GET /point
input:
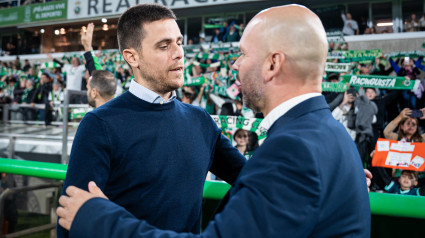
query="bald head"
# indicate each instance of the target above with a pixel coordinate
(297, 32)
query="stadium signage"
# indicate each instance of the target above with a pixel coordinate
(33, 13)
(95, 8)
(334, 87)
(336, 55)
(374, 81)
(338, 67)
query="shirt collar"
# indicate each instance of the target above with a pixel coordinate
(148, 95)
(282, 109)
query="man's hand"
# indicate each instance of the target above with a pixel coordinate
(87, 37)
(72, 203)
(368, 178)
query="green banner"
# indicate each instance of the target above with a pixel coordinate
(213, 56)
(78, 113)
(401, 54)
(233, 123)
(336, 55)
(216, 64)
(33, 13)
(222, 91)
(336, 36)
(385, 82)
(212, 26)
(194, 81)
(49, 65)
(361, 56)
(334, 87)
(338, 67)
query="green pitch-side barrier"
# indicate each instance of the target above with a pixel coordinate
(380, 203)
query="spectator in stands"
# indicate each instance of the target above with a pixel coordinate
(407, 128)
(19, 91)
(31, 74)
(333, 98)
(350, 26)
(10, 87)
(101, 88)
(406, 184)
(74, 76)
(26, 65)
(210, 69)
(241, 28)
(380, 67)
(232, 35)
(56, 97)
(364, 116)
(17, 63)
(241, 137)
(41, 96)
(189, 95)
(331, 46)
(28, 98)
(345, 111)
(217, 37)
(412, 24)
(410, 71)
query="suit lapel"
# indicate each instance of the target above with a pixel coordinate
(309, 105)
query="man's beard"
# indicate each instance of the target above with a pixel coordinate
(91, 102)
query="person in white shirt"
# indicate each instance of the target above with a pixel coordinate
(350, 26)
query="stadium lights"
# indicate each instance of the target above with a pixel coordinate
(56, 32)
(104, 20)
(41, 30)
(385, 24)
(105, 27)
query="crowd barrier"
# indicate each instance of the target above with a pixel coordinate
(381, 203)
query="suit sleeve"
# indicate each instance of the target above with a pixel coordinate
(99, 217)
(90, 157)
(277, 194)
(227, 160)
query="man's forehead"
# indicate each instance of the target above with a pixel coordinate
(161, 28)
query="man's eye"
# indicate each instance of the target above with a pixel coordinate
(164, 47)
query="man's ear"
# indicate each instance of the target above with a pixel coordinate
(273, 64)
(94, 93)
(415, 183)
(131, 56)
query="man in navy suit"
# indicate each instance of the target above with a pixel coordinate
(305, 180)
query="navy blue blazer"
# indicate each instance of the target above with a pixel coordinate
(306, 180)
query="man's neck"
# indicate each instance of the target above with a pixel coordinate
(165, 96)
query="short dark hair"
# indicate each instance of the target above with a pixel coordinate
(130, 25)
(47, 75)
(413, 173)
(105, 83)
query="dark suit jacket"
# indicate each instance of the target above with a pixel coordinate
(306, 180)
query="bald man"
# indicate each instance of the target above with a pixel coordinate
(305, 180)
